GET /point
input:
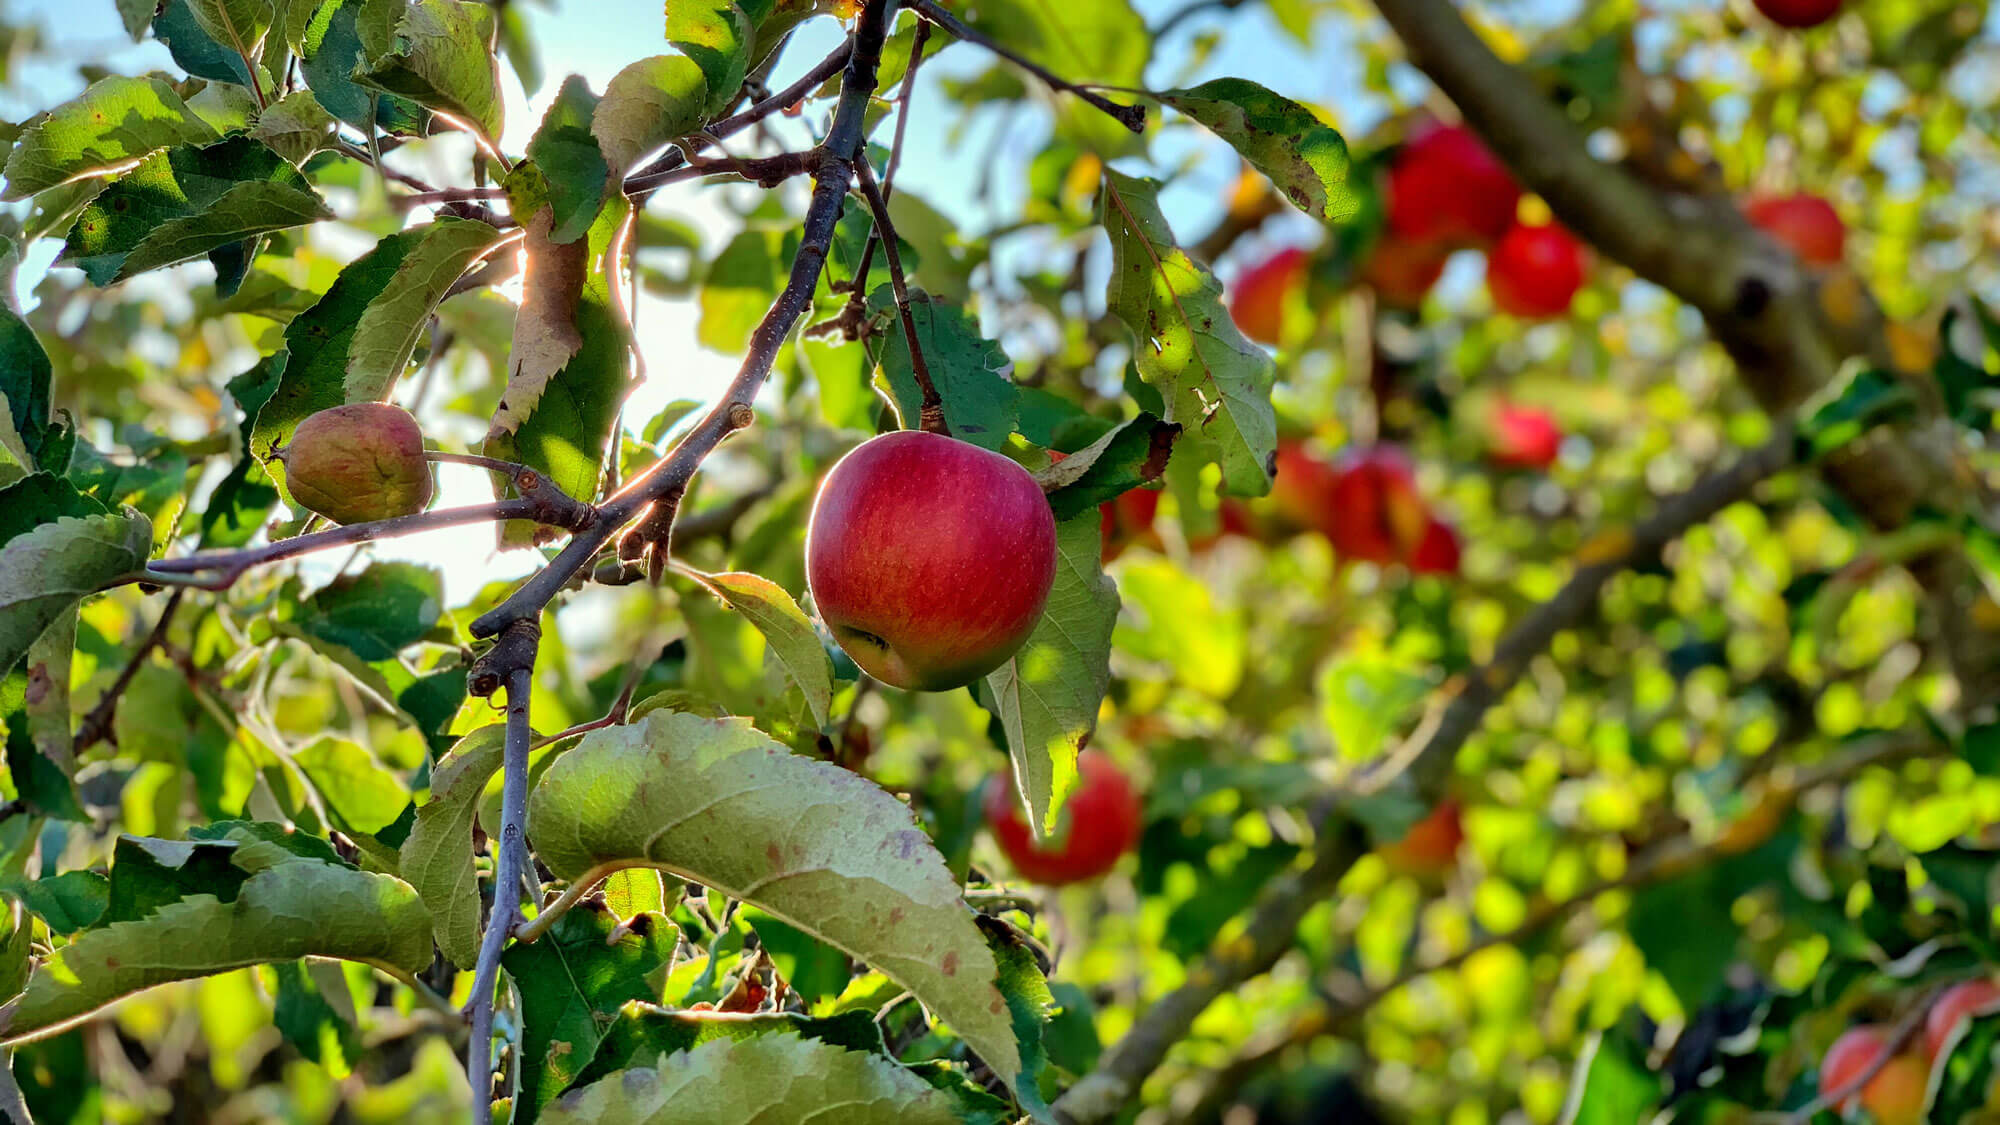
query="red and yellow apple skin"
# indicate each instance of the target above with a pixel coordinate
(1302, 487)
(1431, 845)
(1402, 272)
(1439, 551)
(1099, 823)
(359, 463)
(1798, 14)
(1375, 512)
(1534, 272)
(1524, 438)
(1445, 186)
(1959, 1002)
(1895, 1095)
(929, 559)
(1257, 301)
(1804, 223)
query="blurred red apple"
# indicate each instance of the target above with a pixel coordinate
(1257, 302)
(1798, 13)
(1535, 271)
(1524, 437)
(1444, 186)
(1431, 845)
(1959, 1002)
(1375, 513)
(1805, 223)
(1401, 271)
(1302, 488)
(1895, 1095)
(930, 559)
(1099, 823)
(1128, 521)
(1439, 551)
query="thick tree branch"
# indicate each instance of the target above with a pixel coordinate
(1274, 921)
(670, 476)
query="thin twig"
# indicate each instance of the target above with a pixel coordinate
(506, 910)
(365, 155)
(1194, 9)
(446, 195)
(930, 414)
(764, 171)
(857, 300)
(1133, 117)
(97, 725)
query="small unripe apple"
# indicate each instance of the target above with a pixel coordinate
(1895, 1095)
(1534, 271)
(1257, 301)
(930, 559)
(1099, 822)
(1798, 13)
(1402, 271)
(1445, 186)
(1959, 1002)
(1524, 437)
(1431, 845)
(358, 463)
(1805, 223)
(1376, 513)
(1439, 552)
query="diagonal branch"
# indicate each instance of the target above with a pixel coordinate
(1133, 117)
(508, 852)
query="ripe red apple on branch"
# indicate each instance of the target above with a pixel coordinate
(359, 463)
(1523, 437)
(930, 559)
(1534, 271)
(1100, 822)
(1798, 13)
(1445, 186)
(1258, 300)
(1375, 513)
(1804, 222)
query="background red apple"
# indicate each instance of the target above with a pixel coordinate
(1401, 271)
(1438, 553)
(1959, 1002)
(1257, 300)
(1535, 271)
(1524, 437)
(1445, 186)
(1100, 822)
(1128, 521)
(1895, 1096)
(1375, 513)
(930, 559)
(1798, 13)
(1431, 845)
(1302, 488)
(1804, 222)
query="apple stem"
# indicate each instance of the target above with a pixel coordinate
(930, 414)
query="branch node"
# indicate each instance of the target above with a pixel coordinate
(741, 415)
(514, 651)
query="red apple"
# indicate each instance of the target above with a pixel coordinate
(930, 559)
(1798, 13)
(1375, 512)
(1805, 223)
(1438, 552)
(1895, 1095)
(358, 463)
(1257, 302)
(1535, 271)
(1099, 823)
(1302, 488)
(1431, 845)
(1401, 271)
(1128, 521)
(1524, 437)
(1444, 186)
(1959, 1002)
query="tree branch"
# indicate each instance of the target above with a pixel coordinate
(930, 413)
(507, 853)
(1428, 755)
(669, 477)
(1133, 117)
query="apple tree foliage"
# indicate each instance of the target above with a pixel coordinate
(295, 831)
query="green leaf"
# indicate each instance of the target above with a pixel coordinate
(788, 631)
(741, 283)
(572, 983)
(1028, 1004)
(295, 126)
(1613, 1085)
(24, 383)
(361, 794)
(1105, 39)
(67, 902)
(716, 35)
(721, 804)
(314, 1011)
(238, 25)
(194, 49)
(49, 569)
(572, 166)
(437, 857)
(288, 909)
(387, 333)
(647, 104)
(560, 425)
(330, 49)
(644, 1034)
(766, 1078)
(981, 403)
(1866, 399)
(136, 14)
(148, 873)
(1306, 159)
(1217, 384)
(1133, 454)
(1365, 698)
(1047, 696)
(183, 203)
(115, 121)
(811, 967)
(441, 57)
(377, 612)
(16, 937)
